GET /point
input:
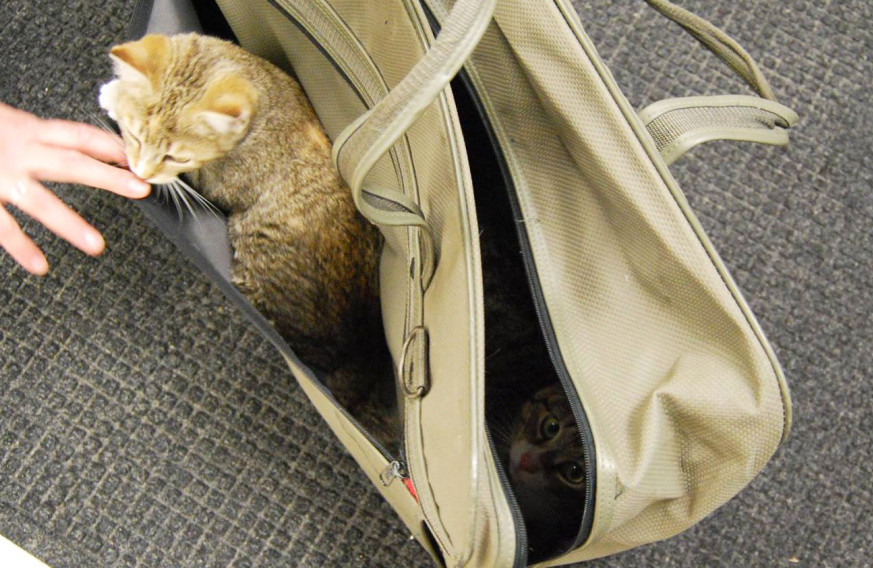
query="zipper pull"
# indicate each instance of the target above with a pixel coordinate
(390, 473)
(394, 471)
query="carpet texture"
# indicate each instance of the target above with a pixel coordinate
(143, 423)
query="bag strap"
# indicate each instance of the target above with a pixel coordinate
(719, 43)
(364, 141)
(679, 124)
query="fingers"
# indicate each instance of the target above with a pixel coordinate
(84, 138)
(44, 206)
(19, 246)
(62, 165)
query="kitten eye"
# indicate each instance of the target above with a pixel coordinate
(573, 472)
(549, 427)
(176, 159)
(134, 140)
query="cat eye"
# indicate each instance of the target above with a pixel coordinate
(573, 472)
(176, 159)
(549, 427)
(134, 140)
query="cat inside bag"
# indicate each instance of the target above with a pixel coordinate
(534, 431)
(245, 136)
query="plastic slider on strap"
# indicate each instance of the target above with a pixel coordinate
(414, 367)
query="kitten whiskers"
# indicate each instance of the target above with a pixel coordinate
(183, 195)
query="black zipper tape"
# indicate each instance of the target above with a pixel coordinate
(463, 81)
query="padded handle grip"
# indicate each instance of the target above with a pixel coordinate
(679, 124)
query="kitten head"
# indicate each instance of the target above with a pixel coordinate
(547, 467)
(179, 104)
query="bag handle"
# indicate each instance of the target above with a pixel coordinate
(679, 124)
(365, 140)
(719, 43)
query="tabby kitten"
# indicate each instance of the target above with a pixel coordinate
(248, 139)
(546, 470)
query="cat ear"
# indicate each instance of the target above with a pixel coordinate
(141, 60)
(228, 104)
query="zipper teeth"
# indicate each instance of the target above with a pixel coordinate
(521, 547)
(273, 337)
(325, 391)
(572, 398)
(548, 336)
(356, 84)
(521, 542)
(258, 321)
(556, 358)
(545, 324)
(362, 94)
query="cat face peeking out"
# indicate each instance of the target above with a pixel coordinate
(546, 468)
(176, 112)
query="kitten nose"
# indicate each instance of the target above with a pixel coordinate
(528, 464)
(143, 169)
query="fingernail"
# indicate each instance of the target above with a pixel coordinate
(39, 265)
(139, 188)
(94, 242)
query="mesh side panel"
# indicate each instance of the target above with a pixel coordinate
(670, 125)
(383, 203)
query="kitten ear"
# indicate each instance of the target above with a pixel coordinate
(141, 60)
(228, 104)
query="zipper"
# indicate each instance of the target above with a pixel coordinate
(359, 90)
(520, 556)
(369, 94)
(365, 96)
(542, 315)
(569, 391)
(396, 470)
(545, 323)
(273, 337)
(521, 548)
(176, 234)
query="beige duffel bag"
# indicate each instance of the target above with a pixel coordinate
(679, 398)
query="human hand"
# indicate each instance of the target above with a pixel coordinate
(33, 149)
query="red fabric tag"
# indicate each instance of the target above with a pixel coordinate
(410, 487)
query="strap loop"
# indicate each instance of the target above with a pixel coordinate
(413, 365)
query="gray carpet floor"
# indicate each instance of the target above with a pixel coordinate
(144, 423)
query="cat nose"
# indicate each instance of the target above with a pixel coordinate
(144, 169)
(528, 464)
